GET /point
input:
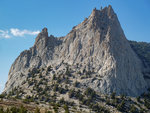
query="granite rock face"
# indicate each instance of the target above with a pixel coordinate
(98, 45)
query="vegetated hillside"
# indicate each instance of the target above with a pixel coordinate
(97, 45)
(63, 93)
(142, 49)
(92, 69)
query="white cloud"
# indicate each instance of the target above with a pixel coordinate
(17, 32)
(4, 34)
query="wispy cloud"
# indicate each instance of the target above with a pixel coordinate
(15, 32)
(4, 34)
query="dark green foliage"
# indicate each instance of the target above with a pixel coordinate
(30, 82)
(90, 93)
(79, 72)
(37, 110)
(87, 101)
(59, 80)
(48, 112)
(115, 101)
(113, 95)
(15, 92)
(39, 89)
(84, 70)
(49, 68)
(68, 73)
(98, 109)
(34, 71)
(108, 101)
(40, 82)
(23, 82)
(7, 110)
(2, 95)
(59, 89)
(142, 49)
(67, 81)
(121, 106)
(76, 94)
(22, 110)
(55, 107)
(54, 77)
(40, 75)
(21, 75)
(66, 108)
(122, 96)
(138, 99)
(62, 101)
(28, 99)
(88, 73)
(133, 109)
(14, 110)
(55, 87)
(147, 103)
(71, 93)
(76, 84)
(1, 110)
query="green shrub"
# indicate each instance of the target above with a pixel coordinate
(120, 106)
(76, 84)
(54, 77)
(28, 99)
(37, 110)
(49, 68)
(113, 95)
(147, 103)
(48, 112)
(71, 93)
(2, 95)
(68, 73)
(122, 96)
(55, 87)
(14, 110)
(133, 109)
(66, 108)
(1, 110)
(55, 107)
(22, 110)
(138, 99)
(90, 93)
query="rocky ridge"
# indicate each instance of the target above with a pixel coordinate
(97, 47)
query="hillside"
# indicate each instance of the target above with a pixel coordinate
(94, 68)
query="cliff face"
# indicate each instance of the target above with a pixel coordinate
(97, 45)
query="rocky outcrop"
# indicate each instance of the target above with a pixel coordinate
(97, 45)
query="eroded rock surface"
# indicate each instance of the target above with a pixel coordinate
(97, 45)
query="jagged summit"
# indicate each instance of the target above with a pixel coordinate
(97, 45)
(107, 11)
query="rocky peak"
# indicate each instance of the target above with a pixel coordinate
(101, 19)
(110, 11)
(106, 11)
(44, 30)
(98, 45)
(43, 35)
(42, 38)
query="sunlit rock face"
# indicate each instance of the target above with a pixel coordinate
(98, 45)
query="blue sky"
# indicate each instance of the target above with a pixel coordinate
(21, 20)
